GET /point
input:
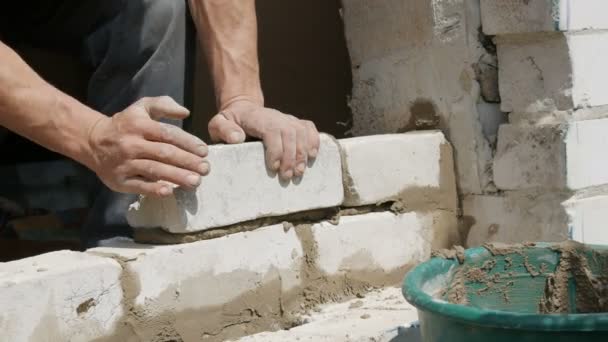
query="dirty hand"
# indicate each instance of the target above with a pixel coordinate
(131, 152)
(289, 141)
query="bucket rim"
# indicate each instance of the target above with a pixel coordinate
(415, 295)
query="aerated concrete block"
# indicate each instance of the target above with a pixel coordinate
(562, 157)
(381, 242)
(501, 17)
(240, 188)
(61, 296)
(193, 290)
(416, 168)
(559, 71)
(515, 217)
(588, 216)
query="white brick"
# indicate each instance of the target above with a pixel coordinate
(553, 72)
(518, 16)
(515, 218)
(60, 296)
(240, 188)
(552, 156)
(530, 156)
(381, 241)
(587, 143)
(188, 281)
(588, 217)
(415, 167)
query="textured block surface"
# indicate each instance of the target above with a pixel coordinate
(560, 71)
(240, 188)
(519, 16)
(381, 242)
(60, 296)
(173, 287)
(413, 167)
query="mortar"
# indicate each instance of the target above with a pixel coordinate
(533, 292)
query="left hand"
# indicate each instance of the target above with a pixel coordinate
(289, 141)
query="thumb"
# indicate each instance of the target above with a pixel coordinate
(222, 129)
(163, 107)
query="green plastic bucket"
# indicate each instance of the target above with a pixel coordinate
(504, 314)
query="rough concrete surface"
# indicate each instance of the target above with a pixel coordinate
(61, 296)
(381, 242)
(528, 16)
(254, 191)
(552, 71)
(514, 217)
(415, 168)
(381, 316)
(420, 73)
(530, 157)
(229, 281)
(265, 279)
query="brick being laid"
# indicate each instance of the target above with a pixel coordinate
(240, 188)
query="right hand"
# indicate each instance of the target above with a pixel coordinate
(133, 153)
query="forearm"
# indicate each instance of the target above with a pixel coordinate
(33, 108)
(227, 29)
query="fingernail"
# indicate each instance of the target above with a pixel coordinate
(194, 180)
(314, 152)
(276, 165)
(288, 174)
(203, 168)
(165, 191)
(235, 137)
(301, 167)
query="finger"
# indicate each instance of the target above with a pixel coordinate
(288, 160)
(274, 149)
(157, 171)
(162, 132)
(224, 130)
(138, 185)
(163, 107)
(314, 140)
(171, 155)
(301, 149)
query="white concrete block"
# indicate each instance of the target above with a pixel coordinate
(587, 218)
(565, 156)
(560, 71)
(415, 167)
(587, 143)
(240, 188)
(381, 241)
(529, 157)
(219, 279)
(515, 217)
(517, 16)
(60, 296)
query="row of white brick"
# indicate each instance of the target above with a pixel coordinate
(132, 292)
(413, 167)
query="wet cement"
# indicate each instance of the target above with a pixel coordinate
(573, 269)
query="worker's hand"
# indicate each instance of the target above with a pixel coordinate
(132, 152)
(289, 141)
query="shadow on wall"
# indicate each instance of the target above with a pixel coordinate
(304, 61)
